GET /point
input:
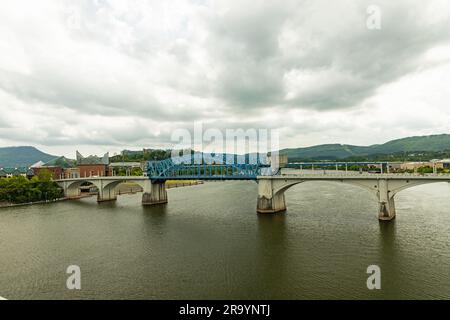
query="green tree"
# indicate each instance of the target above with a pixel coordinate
(136, 172)
(425, 169)
(22, 190)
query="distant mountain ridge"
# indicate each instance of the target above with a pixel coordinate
(26, 156)
(340, 151)
(22, 156)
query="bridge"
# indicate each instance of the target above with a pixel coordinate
(384, 187)
(153, 193)
(190, 168)
(272, 183)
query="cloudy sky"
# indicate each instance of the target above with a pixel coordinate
(105, 75)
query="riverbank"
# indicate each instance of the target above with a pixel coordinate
(131, 188)
(12, 205)
(182, 183)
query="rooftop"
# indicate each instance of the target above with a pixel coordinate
(62, 162)
(92, 160)
(14, 171)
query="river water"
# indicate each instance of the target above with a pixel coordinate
(209, 243)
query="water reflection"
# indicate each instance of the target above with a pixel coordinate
(154, 218)
(273, 253)
(390, 261)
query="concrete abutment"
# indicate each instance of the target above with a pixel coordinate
(72, 193)
(386, 201)
(269, 201)
(154, 193)
(106, 194)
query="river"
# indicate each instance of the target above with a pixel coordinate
(209, 243)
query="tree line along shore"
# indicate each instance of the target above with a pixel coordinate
(19, 190)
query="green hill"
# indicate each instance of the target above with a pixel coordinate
(434, 143)
(26, 156)
(325, 151)
(423, 143)
(22, 156)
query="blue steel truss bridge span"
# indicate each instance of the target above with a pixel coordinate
(189, 168)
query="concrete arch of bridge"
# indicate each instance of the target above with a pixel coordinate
(106, 187)
(271, 196)
(271, 192)
(114, 184)
(77, 184)
(72, 188)
(283, 187)
(154, 192)
(396, 187)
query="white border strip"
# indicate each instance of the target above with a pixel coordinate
(1, 298)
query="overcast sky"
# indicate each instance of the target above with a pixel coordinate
(102, 76)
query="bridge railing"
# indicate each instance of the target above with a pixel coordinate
(359, 174)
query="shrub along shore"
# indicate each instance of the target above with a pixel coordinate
(20, 190)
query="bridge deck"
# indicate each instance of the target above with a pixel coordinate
(106, 178)
(353, 176)
(305, 176)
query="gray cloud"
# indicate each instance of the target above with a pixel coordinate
(3, 124)
(104, 73)
(331, 58)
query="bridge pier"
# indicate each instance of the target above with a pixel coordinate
(72, 193)
(107, 193)
(268, 201)
(154, 193)
(386, 201)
